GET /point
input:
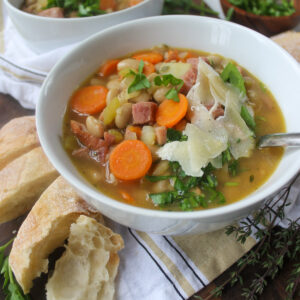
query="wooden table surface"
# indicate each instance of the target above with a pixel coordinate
(9, 108)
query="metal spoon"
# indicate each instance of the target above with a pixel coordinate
(279, 139)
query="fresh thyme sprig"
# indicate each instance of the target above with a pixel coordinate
(273, 249)
(10, 287)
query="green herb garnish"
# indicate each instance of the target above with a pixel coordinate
(232, 75)
(175, 135)
(167, 79)
(11, 288)
(183, 193)
(157, 178)
(140, 81)
(247, 117)
(273, 8)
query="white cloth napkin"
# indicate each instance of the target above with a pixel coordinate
(152, 267)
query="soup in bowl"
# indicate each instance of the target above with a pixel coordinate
(162, 138)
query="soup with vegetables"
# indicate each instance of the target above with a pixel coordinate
(75, 8)
(172, 129)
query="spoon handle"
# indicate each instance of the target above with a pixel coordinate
(279, 139)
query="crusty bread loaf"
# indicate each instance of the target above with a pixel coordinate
(290, 41)
(45, 229)
(17, 137)
(21, 183)
(89, 265)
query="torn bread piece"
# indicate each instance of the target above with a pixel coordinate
(17, 137)
(290, 41)
(89, 265)
(22, 182)
(45, 229)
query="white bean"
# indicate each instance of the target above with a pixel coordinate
(148, 135)
(161, 168)
(128, 63)
(161, 186)
(94, 126)
(123, 116)
(113, 84)
(112, 93)
(143, 97)
(159, 94)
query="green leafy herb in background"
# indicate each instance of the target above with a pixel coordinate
(10, 287)
(83, 8)
(273, 8)
(187, 7)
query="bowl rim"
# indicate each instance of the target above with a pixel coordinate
(85, 187)
(77, 20)
(254, 16)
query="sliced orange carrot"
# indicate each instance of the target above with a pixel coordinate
(107, 4)
(169, 112)
(151, 57)
(148, 68)
(172, 55)
(127, 197)
(134, 2)
(89, 99)
(181, 125)
(130, 160)
(108, 67)
(135, 129)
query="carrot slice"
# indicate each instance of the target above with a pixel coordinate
(134, 2)
(130, 160)
(107, 4)
(148, 68)
(89, 99)
(150, 57)
(108, 67)
(169, 112)
(127, 197)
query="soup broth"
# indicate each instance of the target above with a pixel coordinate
(230, 181)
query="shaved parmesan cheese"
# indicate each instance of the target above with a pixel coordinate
(195, 153)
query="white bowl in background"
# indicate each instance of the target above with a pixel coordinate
(43, 34)
(258, 54)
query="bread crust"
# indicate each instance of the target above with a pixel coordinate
(22, 181)
(46, 228)
(88, 267)
(17, 137)
(290, 41)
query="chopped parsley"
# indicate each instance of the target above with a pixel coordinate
(184, 194)
(247, 117)
(175, 135)
(232, 75)
(167, 79)
(140, 81)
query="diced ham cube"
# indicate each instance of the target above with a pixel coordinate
(130, 135)
(144, 113)
(109, 138)
(53, 12)
(191, 75)
(161, 135)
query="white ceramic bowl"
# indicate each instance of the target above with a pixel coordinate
(263, 58)
(43, 34)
